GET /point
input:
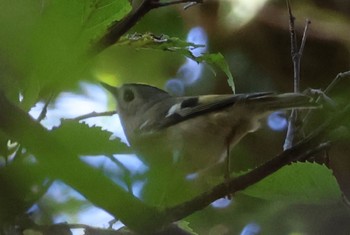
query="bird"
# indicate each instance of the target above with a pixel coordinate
(193, 133)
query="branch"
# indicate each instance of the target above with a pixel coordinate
(304, 149)
(293, 132)
(303, 40)
(323, 95)
(336, 80)
(91, 115)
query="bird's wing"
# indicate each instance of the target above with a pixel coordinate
(189, 107)
(184, 108)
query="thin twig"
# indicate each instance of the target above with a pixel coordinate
(191, 4)
(303, 40)
(293, 37)
(293, 132)
(336, 80)
(92, 115)
(318, 149)
(125, 172)
(41, 116)
(164, 4)
(339, 77)
(43, 112)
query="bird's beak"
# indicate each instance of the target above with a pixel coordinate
(111, 89)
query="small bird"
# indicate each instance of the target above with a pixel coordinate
(193, 132)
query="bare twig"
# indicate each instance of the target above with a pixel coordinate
(323, 95)
(303, 40)
(293, 37)
(293, 132)
(191, 4)
(336, 80)
(92, 115)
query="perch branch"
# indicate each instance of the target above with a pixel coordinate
(304, 149)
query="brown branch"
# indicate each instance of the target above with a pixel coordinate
(293, 37)
(293, 132)
(304, 149)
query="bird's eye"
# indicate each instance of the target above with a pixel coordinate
(128, 95)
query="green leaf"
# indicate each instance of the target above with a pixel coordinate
(46, 51)
(99, 14)
(85, 140)
(173, 44)
(185, 225)
(219, 61)
(298, 182)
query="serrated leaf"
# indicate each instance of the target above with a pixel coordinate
(298, 182)
(151, 41)
(85, 140)
(52, 55)
(219, 61)
(173, 44)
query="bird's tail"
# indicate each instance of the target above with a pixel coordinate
(272, 102)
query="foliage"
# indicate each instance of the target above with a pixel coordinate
(285, 186)
(166, 43)
(93, 140)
